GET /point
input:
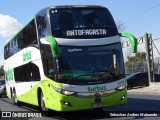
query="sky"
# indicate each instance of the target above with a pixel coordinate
(138, 16)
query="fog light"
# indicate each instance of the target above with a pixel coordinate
(123, 97)
(66, 103)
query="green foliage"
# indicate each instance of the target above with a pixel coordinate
(139, 56)
(136, 63)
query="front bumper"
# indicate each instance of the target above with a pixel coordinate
(72, 103)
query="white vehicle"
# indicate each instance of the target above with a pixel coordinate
(51, 62)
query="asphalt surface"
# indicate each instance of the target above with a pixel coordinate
(136, 104)
(152, 89)
(139, 99)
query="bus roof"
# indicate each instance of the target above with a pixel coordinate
(77, 6)
(71, 7)
(51, 7)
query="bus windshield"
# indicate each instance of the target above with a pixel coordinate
(82, 22)
(87, 64)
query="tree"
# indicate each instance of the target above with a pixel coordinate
(139, 56)
(136, 63)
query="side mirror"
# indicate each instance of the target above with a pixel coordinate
(132, 39)
(53, 44)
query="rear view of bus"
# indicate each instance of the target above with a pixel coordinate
(81, 62)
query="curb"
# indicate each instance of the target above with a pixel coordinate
(153, 89)
(143, 93)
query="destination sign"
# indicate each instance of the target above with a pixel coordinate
(86, 32)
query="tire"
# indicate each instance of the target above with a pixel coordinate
(14, 98)
(129, 87)
(0, 95)
(42, 103)
(98, 109)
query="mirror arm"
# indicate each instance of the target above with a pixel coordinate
(53, 44)
(132, 39)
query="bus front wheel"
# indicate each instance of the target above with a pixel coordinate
(14, 98)
(42, 103)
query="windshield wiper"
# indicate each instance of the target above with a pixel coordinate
(94, 74)
(78, 77)
(112, 74)
(81, 76)
(107, 71)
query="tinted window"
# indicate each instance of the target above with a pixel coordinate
(42, 25)
(26, 37)
(82, 22)
(63, 18)
(20, 41)
(15, 46)
(27, 72)
(48, 60)
(79, 63)
(32, 36)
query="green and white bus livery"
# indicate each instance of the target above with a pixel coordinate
(67, 58)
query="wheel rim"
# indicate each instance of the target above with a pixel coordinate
(14, 98)
(42, 103)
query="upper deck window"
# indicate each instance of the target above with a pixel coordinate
(82, 22)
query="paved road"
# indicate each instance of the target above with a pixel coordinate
(135, 103)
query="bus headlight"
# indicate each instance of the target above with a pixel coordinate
(121, 87)
(65, 92)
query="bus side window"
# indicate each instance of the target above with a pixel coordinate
(34, 72)
(42, 25)
(20, 41)
(26, 73)
(32, 35)
(49, 66)
(5, 52)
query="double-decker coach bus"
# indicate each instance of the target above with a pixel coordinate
(67, 58)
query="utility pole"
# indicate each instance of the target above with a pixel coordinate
(147, 39)
(149, 54)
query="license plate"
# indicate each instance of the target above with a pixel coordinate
(97, 105)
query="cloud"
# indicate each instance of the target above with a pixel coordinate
(8, 25)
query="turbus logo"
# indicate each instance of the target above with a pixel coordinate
(9, 74)
(26, 56)
(96, 88)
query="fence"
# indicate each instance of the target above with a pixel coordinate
(134, 67)
(141, 66)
